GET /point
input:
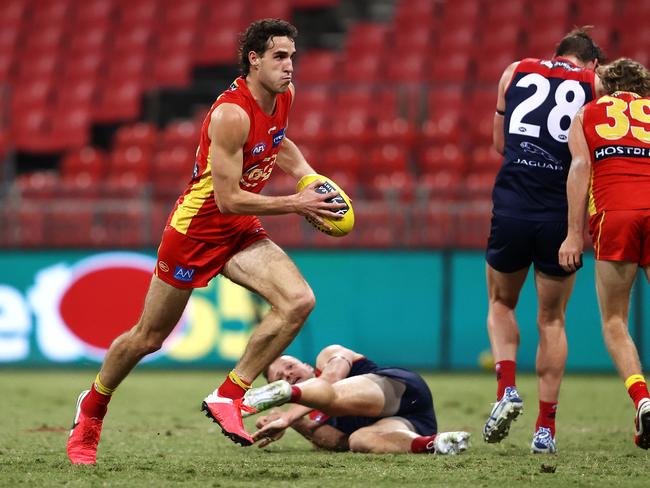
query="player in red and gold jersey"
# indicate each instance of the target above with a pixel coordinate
(214, 229)
(610, 175)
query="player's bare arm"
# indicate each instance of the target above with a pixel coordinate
(578, 179)
(228, 130)
(291, 160)
(497, 126)
(335, 362)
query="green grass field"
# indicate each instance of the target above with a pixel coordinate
(155, 435)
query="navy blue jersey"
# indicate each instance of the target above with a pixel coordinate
(416, 404)
(541, 100)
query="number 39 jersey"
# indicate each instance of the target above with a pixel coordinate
(617, 130)
(541, 100)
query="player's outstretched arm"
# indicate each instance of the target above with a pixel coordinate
(577, 186)
(228, 130)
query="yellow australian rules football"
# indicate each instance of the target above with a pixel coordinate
(339, 227)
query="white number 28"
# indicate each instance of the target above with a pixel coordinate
(563, 107)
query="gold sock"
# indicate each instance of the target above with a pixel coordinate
(234, 377)
(104, 390)
(634, 378)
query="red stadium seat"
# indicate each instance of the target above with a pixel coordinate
(485, 159)
(217, 46)
(443, 184)
(78, 94)
(277, 9)
(455, 69)
(350, 126)
(131, 39)
(363, 67)
(86, 160)
(93, 11)
(347, 158)
(407, 67)
(479, 185)
(135, 160)
(40, 66)
(440, 129)
(394, 129)
(308, 128)
(172, 71)
(542, 41)
(183, 133)
(141, 134)
(30, 94)
(71, 128)
(398, 186)
(119, 101)
(84, 66)
(365, 37)
(434, 158)
(388, 158)
(316, 66)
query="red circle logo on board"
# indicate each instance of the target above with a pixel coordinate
(105, 296)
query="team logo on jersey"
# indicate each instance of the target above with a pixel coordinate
(531, 148)
(183, 274)
(258, 149)
(277, 137)
(233, 86)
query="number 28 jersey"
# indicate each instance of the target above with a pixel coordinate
(541, 100)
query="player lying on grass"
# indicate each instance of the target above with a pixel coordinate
(349, 403)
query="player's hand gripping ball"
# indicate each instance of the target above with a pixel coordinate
(341, 227)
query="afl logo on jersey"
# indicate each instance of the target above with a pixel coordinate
(258, 149)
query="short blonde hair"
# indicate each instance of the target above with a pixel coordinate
(625, 74)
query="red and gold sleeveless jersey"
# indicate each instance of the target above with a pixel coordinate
(617, 129)
(196, 213)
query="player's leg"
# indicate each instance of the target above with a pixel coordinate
(553, 294)
(503, 294)
(163, 307)
(509, 255)
(397, 435)
(614, 282)
(357, 395)
(265, 269)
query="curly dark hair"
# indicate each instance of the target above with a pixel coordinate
(579, 43)
(256, 37)
(625, 75)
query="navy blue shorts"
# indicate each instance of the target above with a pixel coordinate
(416, 405)
(514, 244)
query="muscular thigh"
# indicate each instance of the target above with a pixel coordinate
(267, 270)
(387, 425)
(362, 395)
(163, 307)
(553, 294)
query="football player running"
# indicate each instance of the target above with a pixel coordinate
(213, 229)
